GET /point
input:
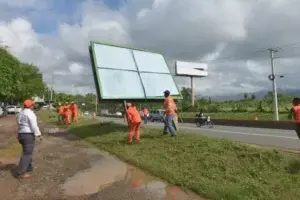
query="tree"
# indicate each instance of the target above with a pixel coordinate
(186, 94)
(245, 96)
(9, 78)
(30, 82)
(253, 97)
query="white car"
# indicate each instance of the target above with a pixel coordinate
(118, 113)
(18, 109)
(157, 115)
(11, 109)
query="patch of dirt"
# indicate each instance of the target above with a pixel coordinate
(61, 157)
(7, 131)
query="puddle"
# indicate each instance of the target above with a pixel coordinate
(109, 170)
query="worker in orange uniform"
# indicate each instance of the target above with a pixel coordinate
(134, 120)
(67, 113)
(60, 111)
(170, 113)
(74, 112)
(145, 115)
(295, 113)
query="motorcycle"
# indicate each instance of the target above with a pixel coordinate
(203, 121)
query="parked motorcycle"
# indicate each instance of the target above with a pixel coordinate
(203, 121)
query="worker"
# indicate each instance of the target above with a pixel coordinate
(74, 112)
(27, 131)
(60, 112)
(295, 113)
(134, 121)
(145, 115)
(67, 113)
(170, 111)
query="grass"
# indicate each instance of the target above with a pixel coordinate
(216, 169)
(11, 151)
(233, 115)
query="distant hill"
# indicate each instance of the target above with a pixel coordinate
(259, 94)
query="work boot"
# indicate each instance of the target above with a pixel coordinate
(26, 175)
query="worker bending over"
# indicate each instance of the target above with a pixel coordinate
(134, 120)
(170, 113)
(74, 112)
(295, 113)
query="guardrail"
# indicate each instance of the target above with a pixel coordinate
(285, 125)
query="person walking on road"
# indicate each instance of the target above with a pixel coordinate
(28, 130)
(295, 113)
(74, 111)
(134, 120)
(145, 115)
(170, 111)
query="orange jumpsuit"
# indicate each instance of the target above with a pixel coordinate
(67, 114)
(60, 111)
(74, 112)
(134, 120)
(296, 111)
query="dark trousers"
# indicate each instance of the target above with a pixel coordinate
(145, 119)
(297, 129)
(27, 141)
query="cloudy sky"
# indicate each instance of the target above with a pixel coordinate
(230, 35)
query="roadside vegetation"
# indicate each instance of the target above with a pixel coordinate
(213, 168)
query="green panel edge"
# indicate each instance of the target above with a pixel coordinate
(98, 80)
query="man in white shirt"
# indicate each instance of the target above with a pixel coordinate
(27, 131)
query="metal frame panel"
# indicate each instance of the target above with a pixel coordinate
(98, 79)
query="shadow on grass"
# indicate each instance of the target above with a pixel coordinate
(293, 167)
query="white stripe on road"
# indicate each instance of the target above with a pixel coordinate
(237, 132)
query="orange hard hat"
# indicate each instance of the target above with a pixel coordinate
(28, 103)
(128, 105)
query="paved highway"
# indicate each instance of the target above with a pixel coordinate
(269, 137)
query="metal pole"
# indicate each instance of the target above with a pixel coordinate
(96, 107)
(51, 94)
(193, 91)
(275, 101)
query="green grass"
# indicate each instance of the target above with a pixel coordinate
(216, 169)
(233, 115)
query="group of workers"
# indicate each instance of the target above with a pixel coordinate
(134, 118)
(67, 112)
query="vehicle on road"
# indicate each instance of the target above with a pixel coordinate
(157, 115)
(18, 109)
(11, 109)
(203, 121)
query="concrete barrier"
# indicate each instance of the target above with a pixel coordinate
(285, 125)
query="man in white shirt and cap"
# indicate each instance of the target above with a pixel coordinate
(27, 131)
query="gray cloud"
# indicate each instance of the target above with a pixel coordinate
(229, 31)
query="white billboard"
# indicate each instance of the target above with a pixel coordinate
(191, 69)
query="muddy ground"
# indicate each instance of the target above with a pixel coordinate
(68, 168)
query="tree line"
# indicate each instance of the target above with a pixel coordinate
(18, 80)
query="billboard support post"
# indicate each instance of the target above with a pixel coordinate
(193, 91)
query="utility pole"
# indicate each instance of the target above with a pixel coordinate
(272, 78)
(51, 98)
(193, 91)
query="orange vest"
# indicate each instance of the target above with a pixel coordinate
(74, 108)
(169, 106)
(67, 109)
(297, 113)
(133, 115)
(60, 110)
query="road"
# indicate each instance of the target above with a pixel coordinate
(268, 137)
